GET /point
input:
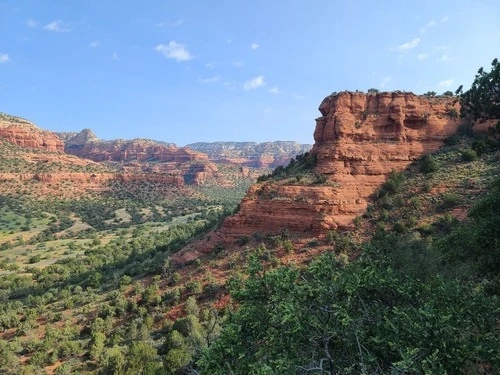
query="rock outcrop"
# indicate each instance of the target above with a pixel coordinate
(142, 157)
(251, 154)
(23, 133)
(359, 139)
(86, 145)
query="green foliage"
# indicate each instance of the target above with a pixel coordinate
(473, 247)
(428, 164)
(392, 185)
(482, 100)
(302, 164)
(469, 155)
(351, 320)
(452, 113)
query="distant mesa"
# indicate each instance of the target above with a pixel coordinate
(85, 144)
(251, 154)
(24, 133)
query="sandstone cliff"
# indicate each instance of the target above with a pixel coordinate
(23, 133)
(359, 139)
(251, 154)
(86, 145)
(142, 157)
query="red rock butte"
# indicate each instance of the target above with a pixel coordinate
(23, 133)
(359, 139)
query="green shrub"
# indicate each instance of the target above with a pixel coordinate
(428, 164)
(469, 155)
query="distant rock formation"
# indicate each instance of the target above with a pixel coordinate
(359, 139)
(86, 145)
(24, 133)
(251, 154)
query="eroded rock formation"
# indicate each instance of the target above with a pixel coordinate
(23, 133)
(251, 154)
(359, 139)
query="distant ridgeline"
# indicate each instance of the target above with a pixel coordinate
(251, 154)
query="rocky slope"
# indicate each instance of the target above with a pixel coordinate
(23, 133)
(359, 139)
(251, 154)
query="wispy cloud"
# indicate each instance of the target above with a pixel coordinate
(432, 23)
(57, 26)
(4, 58)
(254, 46)
(408, 45)
(446, 83)
(273, 90)
(213, 79)
(297, 96)
(268, 110)
(174, 50)
(422, 56)
(210, 65)
(384, 81)
(255, 83)
(94, 44)
(32, 23)
(238, 64)
(231, 85)
(444, 57)
(175, 23)
(429, 24)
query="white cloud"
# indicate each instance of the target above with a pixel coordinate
(297, 96)
(174, 50)
(31, 23)
(210, 65)
(445, 57)
(4, 58)
(422, 56)
(384, 81)
(213, 79)
(57, 26)
(444, 19)
(255, 83)
(175, 23)
(238, 64)
(94, 44)
(429, 24)
(268, 110)
(446, 83)
(407, 46)
(115, 56)
(254, 45)
(273, 90)
(230, 85)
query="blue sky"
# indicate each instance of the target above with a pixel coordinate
(186, 71)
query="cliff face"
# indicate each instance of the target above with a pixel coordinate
(359, 139)
(86, 145)
(23, 133)
(251, 154)
(142, 157)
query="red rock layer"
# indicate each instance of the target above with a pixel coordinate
(23, 133)
(137, 150)
(359, 139)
